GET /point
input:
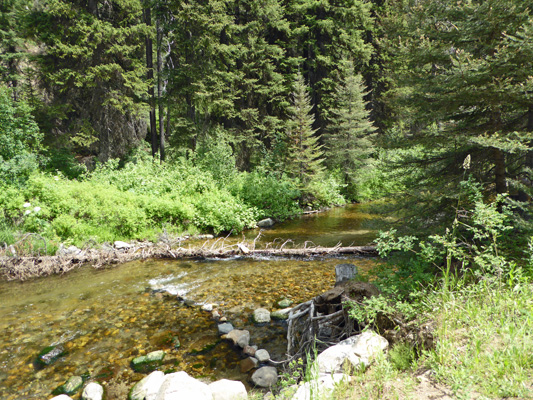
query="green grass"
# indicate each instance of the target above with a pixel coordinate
(485, 338)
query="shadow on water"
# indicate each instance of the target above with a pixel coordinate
(105, 318)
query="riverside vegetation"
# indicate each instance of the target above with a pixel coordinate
(132, 120)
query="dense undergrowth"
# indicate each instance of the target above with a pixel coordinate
(140, 199)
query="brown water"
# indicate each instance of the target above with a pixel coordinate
(105, 318)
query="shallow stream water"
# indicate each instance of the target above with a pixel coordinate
(104, 318)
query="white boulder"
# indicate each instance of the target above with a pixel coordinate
(147, 388)
(356, 350)
(225, 389)
(181, 386)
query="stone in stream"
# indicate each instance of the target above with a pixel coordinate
(344, 272)
(265, 223)
(93, 391)
(147, 387)
(261, 316)
(148, 362)
(280, 315)
(239, 337)
(284, 303)
(61, 397)
(225, 389)
(225, 328)
(49, 355)
(250, 350)
(265, 377)
(71, 386)
(262, 355)
(248, 364)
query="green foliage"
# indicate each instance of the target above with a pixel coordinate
(349, 131)
(274, 196)
(402, 356)
(20, 138)
(324, 190)
(304, 155)
(214, 155)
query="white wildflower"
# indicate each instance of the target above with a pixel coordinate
(26, 205)
(27, 212)
(37, 209)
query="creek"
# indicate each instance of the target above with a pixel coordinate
(104, 318)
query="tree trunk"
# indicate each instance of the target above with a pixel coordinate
(160, 93)
(499, 170)
(150, 76)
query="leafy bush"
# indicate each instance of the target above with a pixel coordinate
(272, 195)
(19, 138)
(324, 190)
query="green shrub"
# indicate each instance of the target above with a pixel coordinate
(272, 195)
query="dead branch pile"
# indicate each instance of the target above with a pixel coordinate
(22, 268)
(324, 321)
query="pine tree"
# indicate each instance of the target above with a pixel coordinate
(467, 92)
(92, 74)
(304, 155)
(349, 130)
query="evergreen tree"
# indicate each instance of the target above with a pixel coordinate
(468, 93)
(349, 130)
(304, 155)
(12, 46)
(92, 74)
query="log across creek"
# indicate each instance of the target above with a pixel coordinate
(21, 268)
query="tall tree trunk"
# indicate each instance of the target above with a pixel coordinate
(499, 170)
(160, 92)
(150, 76)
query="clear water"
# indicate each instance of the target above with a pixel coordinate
(105, 318)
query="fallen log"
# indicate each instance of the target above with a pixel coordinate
(22, 268)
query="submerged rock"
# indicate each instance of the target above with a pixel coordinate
(225, 389)
(284, 303)
(248, 364)
(71, 386)
(265, 377)
(93, 391)
(147, 388)
(148, 362)
(279, 315)
(261, 316)
(49, 355)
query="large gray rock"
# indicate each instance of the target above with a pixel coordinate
(228, 390)
(318, 388)
(356, 350)
(239, 337)
(93, 391)
(147, 387)
(181, 386)
(67, 251)
(248, 364)
(261, 316)
(262, 355)
(265, 377)
(265, 223)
